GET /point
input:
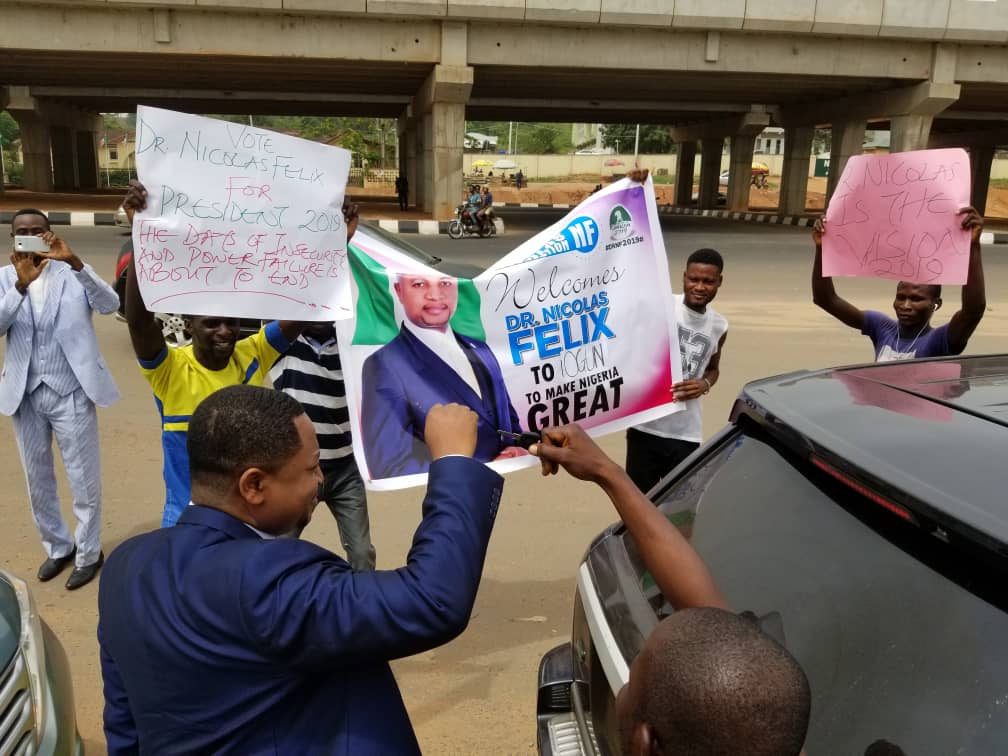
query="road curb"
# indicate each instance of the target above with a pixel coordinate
(769, 218)
(435, 228)
(533, 205)
(423, 227)
(68, 218)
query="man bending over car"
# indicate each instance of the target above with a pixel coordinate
(707, 679)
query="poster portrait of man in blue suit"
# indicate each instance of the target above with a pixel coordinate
(429, 363)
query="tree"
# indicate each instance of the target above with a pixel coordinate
(542, 138)
(9, 130)
(654, 139)
(822, 140)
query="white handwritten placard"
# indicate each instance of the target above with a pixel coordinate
(897, 216)
(240, 221)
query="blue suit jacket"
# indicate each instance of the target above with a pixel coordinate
(214, 640)
(403, 380)
(70, 301)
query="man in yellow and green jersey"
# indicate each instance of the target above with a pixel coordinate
(182, 378)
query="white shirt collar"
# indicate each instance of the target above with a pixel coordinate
(38, 291)
(446, 346)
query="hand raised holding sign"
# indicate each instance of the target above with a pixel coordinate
(973, 223)
(911, 334)
(351, 216)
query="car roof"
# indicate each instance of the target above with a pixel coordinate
(451, 267)
(930, 433)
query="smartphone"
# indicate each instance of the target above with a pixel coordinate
(30, 244)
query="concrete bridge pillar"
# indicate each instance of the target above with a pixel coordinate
(685, 167)
(58, 142)
(909, 132)
(740, 171)
(3, 106)
(442, 135)
(64, 156)
(710, 169)
(794, 174)
(848, 140)
(981, 158)
(86, 145)
(422, 185)
(34, 128)
(439, 107)
(408, 154)
(38, 170)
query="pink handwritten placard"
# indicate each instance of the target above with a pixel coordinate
(897, 216)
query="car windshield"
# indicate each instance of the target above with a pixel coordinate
(876, 611)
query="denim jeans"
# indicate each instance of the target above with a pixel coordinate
(343, 493)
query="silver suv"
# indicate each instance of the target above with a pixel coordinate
(36, 694)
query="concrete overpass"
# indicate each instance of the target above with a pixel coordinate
(934, 73)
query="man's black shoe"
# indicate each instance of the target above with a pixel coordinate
(52, 567)
(84, 575)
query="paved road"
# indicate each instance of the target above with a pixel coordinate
(476, 695)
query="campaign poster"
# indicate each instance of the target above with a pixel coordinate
(240, 221)
(576, 325)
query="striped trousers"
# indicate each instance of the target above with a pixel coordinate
(74, 421)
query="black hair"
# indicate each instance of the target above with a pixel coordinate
(706, 256)
(715, 684)
(30, 211)
(240, 427)
(884, 748)
(933, 289)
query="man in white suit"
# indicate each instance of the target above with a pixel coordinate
(53, 376)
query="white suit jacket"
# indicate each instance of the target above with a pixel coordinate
(71, 299)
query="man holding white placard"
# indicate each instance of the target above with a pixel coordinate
(910, 335)
(182, 378)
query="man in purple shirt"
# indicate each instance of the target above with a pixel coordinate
(910, 335)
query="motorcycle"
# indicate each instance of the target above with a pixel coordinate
(465, 224)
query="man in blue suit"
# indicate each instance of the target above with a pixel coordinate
(222, 636)
(53, 376)
(426, 364)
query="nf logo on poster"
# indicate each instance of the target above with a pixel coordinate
(580, 235)
(620, 223)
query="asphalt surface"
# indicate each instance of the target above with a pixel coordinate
(477, 694)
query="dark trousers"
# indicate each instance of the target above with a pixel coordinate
(343, 492)
(650, 458)
(403, 201)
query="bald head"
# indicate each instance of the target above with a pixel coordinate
(708, 680)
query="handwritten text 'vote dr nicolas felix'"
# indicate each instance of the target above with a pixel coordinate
(895, 216)
(234, 236)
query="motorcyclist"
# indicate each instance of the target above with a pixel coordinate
(485, 214)
(474, 204)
